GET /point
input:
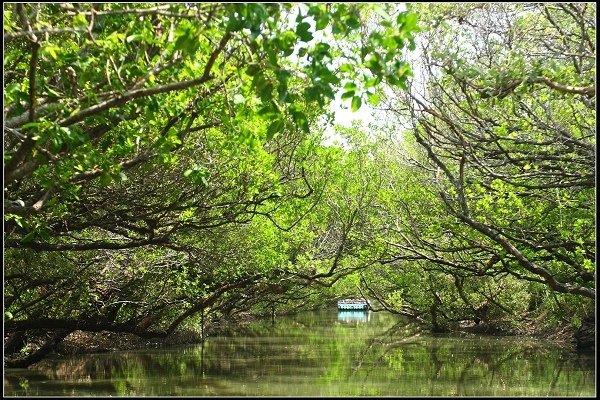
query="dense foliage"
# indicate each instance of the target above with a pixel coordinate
(503, 112)
(164, 165)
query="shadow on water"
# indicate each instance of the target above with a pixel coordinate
(349, 353)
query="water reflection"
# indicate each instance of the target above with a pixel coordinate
(321, 354)
(353, 316)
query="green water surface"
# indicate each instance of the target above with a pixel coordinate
(323, 353)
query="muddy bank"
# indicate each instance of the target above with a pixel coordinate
(80, 342)
(582, 338)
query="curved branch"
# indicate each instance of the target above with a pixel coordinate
(208, 301)
(526, 263)
(43, 246)
(146, 92)
(589, 91)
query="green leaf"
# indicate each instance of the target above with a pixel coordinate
(259, 81)
(19, 221)
(371, 82)
(350, 86)
(51, 50)
(302, 30)
(12, 88)
(346, 68)
(353, 23)
(29, 237)
(285, 42)
(53, 92)
(301, 120)
(356, 103)
(56, 144)
(373, 98)
(31, 125)
(187, 42)
(322, 49)
(44, 234)
(348, 95)
(312, 93)
(266, 92)
(275, 127)
(373, 63)
(302, 51)
(135, 37)
(252, 69)
(410, 23)
(267, 109)
(381, 12)
(80, 21)
(322, 22)
(105, 179)
(234, 24)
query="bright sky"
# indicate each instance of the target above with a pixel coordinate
(344, 116)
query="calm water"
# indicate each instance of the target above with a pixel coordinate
(320, 354)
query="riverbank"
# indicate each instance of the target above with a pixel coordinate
(80, 342)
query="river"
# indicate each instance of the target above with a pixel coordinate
(324, 353)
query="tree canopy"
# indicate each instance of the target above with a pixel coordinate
(164, 165)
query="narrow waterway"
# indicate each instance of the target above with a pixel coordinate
(325, 353)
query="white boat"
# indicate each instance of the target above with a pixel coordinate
(352, 304)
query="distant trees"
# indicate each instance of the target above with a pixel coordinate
(502, 109)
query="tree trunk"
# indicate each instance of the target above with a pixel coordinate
(40, 353)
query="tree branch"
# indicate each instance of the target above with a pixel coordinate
(146, 92)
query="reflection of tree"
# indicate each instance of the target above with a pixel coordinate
(124, 371)
(18, 385)
(566, 362)
(460, 386)
(466, 366)
(380, 341)
(555, 376)
(436, 361)
(375, 359)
